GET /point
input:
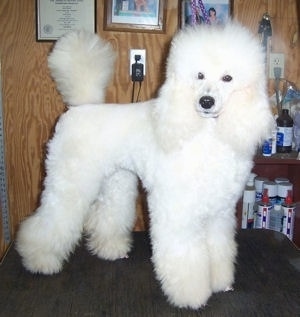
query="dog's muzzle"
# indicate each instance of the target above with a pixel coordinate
(206, 102)
(206, 107)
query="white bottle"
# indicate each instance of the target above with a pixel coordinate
(278, 180)
(248, 203)
(276, 218)
(259, 184)
(272, 191)
(282, 191)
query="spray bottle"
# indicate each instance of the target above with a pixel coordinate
(288, 216)
(248, 203)
(262, 218)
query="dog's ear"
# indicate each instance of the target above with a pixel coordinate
(247, 119)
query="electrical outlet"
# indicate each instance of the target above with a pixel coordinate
(142, 53)
(276, 60)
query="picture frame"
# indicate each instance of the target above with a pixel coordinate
(216, 12)
(135, 16)
(56, 17)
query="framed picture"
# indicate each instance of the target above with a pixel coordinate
(56, 17)
(135, 15)
(204, 11)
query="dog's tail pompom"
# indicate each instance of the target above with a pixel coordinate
(81, 63)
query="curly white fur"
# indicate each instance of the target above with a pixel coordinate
(192, 157)
(93, 57)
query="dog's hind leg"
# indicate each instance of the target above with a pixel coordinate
(46, 238)
(112, 216)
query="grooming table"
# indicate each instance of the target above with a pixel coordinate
(267, 284)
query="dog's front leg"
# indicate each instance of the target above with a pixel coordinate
(222, 250)
(181, 262)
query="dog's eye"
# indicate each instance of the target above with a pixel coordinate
(227, 78)
(200, 76)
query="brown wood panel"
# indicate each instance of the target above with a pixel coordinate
(250, 13)
(285, 39)
(32, 104)
(156, 46)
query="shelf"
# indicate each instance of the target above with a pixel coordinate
(278, 159)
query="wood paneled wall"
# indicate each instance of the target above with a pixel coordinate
(285, 27)
(32, 104)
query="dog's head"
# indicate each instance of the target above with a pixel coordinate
(215, 75)
(215, 62)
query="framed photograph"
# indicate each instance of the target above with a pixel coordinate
(195, 12)
(135, 15)
(57, 17)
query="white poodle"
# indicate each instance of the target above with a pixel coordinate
(192, 148)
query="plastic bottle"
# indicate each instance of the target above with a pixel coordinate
(278, 180)
(269, 145)
(288, 209)
(284, 132)
(248, 203)
(272, 191)
(262, 216)
(259, 184)
(282, 191)
(274, 139)
(276, 217)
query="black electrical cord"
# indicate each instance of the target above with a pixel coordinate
(138, 94)
(133, 92)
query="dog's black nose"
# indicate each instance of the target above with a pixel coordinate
(207, 102)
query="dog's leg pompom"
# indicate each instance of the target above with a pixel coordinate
(39, 244)
(112, 217)
(182, 266)
(46, 239)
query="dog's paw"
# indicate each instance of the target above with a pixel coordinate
(186, 294)
(222, 286)
(222, 277)
(229, 289)
(43, 263)
(110, 249)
